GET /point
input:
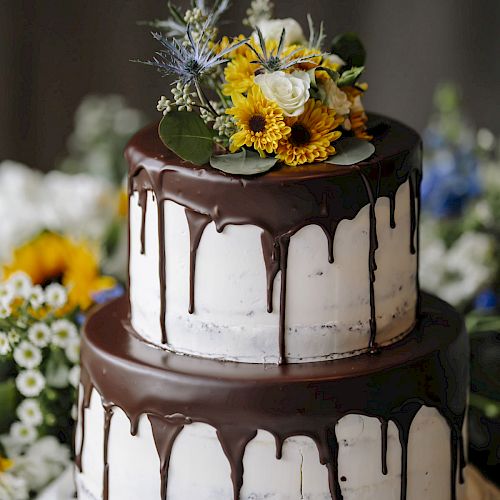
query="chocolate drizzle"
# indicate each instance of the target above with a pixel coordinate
(143, 203)
(197, 223)
(108, 414)
(280, 202)
(427, 368)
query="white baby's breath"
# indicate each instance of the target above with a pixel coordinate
(72, 350)
(29, 412)
(13, 487)
(26, 355)
(39, 334)
(62, 332)
(30, 383)
(36, 297)
(20, 284)
(56, 295)
(14, 337)
(6, 294)
(74, 376)
(22, 433)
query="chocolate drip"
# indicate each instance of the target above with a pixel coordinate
(165, 430)
(384, 424)
(162, 269)
(143, 203)
(427, 368)
(413, 215)
(108, 413)
(392, 210)
(283, 258)
(197, 223)
(86, 388)
(234, 440)
(281, 202)
(372, 263)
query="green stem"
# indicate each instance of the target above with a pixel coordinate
(203, 98)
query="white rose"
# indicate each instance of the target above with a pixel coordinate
(334, 98)
(272, 28)
(289, 91)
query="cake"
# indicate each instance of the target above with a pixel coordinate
(274, 342)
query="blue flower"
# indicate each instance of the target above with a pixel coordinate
(487, 300)
(109, 294)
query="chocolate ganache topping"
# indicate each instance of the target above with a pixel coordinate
(280, 202)
(429, 367)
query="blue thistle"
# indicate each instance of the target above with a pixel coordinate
(274, 61)
(190, 62)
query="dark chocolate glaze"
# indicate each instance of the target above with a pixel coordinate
(280, 202)
(428, 367)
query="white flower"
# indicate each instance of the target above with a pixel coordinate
(27, 355)
(5, 310)
(14, 337)
(289, 91)
(272, 28)
(74, 376)
(20, 284)
(22, 433)
(30, 383)
(29, 412)
(56, 295)
(36, 297)
(72, 350)
(62, 332)
(39, 334)
(13, 487)
(334, 98)
(4, 344)
(6, 294)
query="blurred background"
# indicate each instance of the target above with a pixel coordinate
(54, 53)
(70, 99)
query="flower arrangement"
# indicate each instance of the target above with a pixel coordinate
(39, 360)
(272, 96)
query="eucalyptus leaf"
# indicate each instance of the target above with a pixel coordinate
(187, 135)
(350, 76)
(242, 163)
(351, 150)
(349, 47)
(8, 402)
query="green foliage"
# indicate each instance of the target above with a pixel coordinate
(9, 399)
(351, 150)
(187, 135)
(350, 76)
(349, 47)
(242, 163)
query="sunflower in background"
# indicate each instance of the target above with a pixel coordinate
(50, 257)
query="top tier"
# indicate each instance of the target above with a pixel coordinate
(299, 264)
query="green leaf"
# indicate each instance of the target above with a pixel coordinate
(350, 76)
(351, 150)
(56, 370)
(187, 135)
(349, 47)
(334, 75)
(8, 403)
(242, 163)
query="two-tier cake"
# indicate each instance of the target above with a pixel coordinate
(274, 343)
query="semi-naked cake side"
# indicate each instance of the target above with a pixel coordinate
(274, 343)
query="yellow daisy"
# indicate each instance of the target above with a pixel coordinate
(302, 51)
(260, 122)
(311, 136)
(239, 74)
(51, 257)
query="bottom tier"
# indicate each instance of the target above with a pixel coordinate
(378, 426)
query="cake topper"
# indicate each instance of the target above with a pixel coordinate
(272, 96)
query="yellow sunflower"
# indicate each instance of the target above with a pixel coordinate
(239, 74)
(302, 51)
(51, 257)
(260, 122)
(311, 136)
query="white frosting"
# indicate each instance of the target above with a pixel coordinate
(327, 305)
(199, 469)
